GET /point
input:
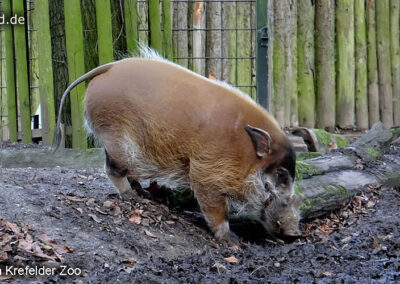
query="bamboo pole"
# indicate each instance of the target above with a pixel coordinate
(155, 28)
(325, 64)
(361, 65)
(384, 63)
(345, 63)
(21, 68)
(167, 29)
(10, 74)
(305, 63)
(46, 88)
(104, 31)
(76, 68)
(131, 24)
(395, 57)
(372, 64)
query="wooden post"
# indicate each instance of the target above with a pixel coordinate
(167, 26)
(384, 64)
(293, 90)
(104, 31)
(199, 37)
(395, 57)
(279, 62)
(46, 88)
(131, 24)
(10, 74)
(345, 63)
(373, 90)
(154, 23)
(21, 67)
(305, 62)
(76, 68)
(325, 64)
(361, 65)
(262, 52)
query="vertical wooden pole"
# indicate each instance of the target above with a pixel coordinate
(361, 65)
(262, 52)
(131, 24)
(21, 67)
(167, 26)
(325, 63)
(76, 68)
(279, 62)
(293, 90)
(104, 31)
(372, 64)
(155, 27)
(345, 63)
(199, 37)
(46, 87)
(395, 57)
(305, 62)
(384, 63)
(180, 36)
(10, 74)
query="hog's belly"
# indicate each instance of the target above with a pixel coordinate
(145, 170)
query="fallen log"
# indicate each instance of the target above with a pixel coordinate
(335, 178)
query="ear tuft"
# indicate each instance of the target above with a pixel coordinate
(261, 140)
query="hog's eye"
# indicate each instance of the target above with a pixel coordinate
(282, 176)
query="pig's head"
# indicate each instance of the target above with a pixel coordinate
(280, 212)
(281, 216)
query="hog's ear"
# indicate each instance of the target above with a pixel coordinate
(261, 140)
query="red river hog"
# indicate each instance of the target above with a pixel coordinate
(161, 122)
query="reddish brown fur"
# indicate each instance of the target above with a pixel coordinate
(185, 124)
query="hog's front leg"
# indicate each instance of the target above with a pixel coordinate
(214, 207)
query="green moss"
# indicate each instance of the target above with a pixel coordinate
(300, 156)
(90, 150)
(340, 140)
(306, 205)
(304, 170)
(324, 138)
(373, 152)
(297, 189)
(336, 189)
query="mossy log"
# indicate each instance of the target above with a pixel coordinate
(330, 180)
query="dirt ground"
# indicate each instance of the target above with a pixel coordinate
(71, 218)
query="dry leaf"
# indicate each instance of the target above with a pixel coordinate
(215, 245)
(108, 204)
(217, 266)
(129, 260)
(135, 219)
(95, 218)
(74, 198)
(3, 256)
(99, 210)
(231, 259)
(170, 222)
(346, 239)
(89, 202)
(149, 234)
(79, 210)
(81, 176)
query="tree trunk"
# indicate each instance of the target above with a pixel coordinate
(361, 65)
(279, 61)
(271, 31)
(290, 45)
(213, 48)
(345, 63)
(325, 63)
(384, 64)
(305, 56)
(373, 89)
(395, 57)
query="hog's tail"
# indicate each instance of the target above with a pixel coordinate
(58, 134)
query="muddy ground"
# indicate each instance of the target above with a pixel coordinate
(106, 240)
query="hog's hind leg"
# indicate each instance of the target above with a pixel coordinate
(118, 176)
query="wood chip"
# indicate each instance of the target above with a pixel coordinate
(170, 222)
(79, 210)
(74, 198)
(95, 218)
